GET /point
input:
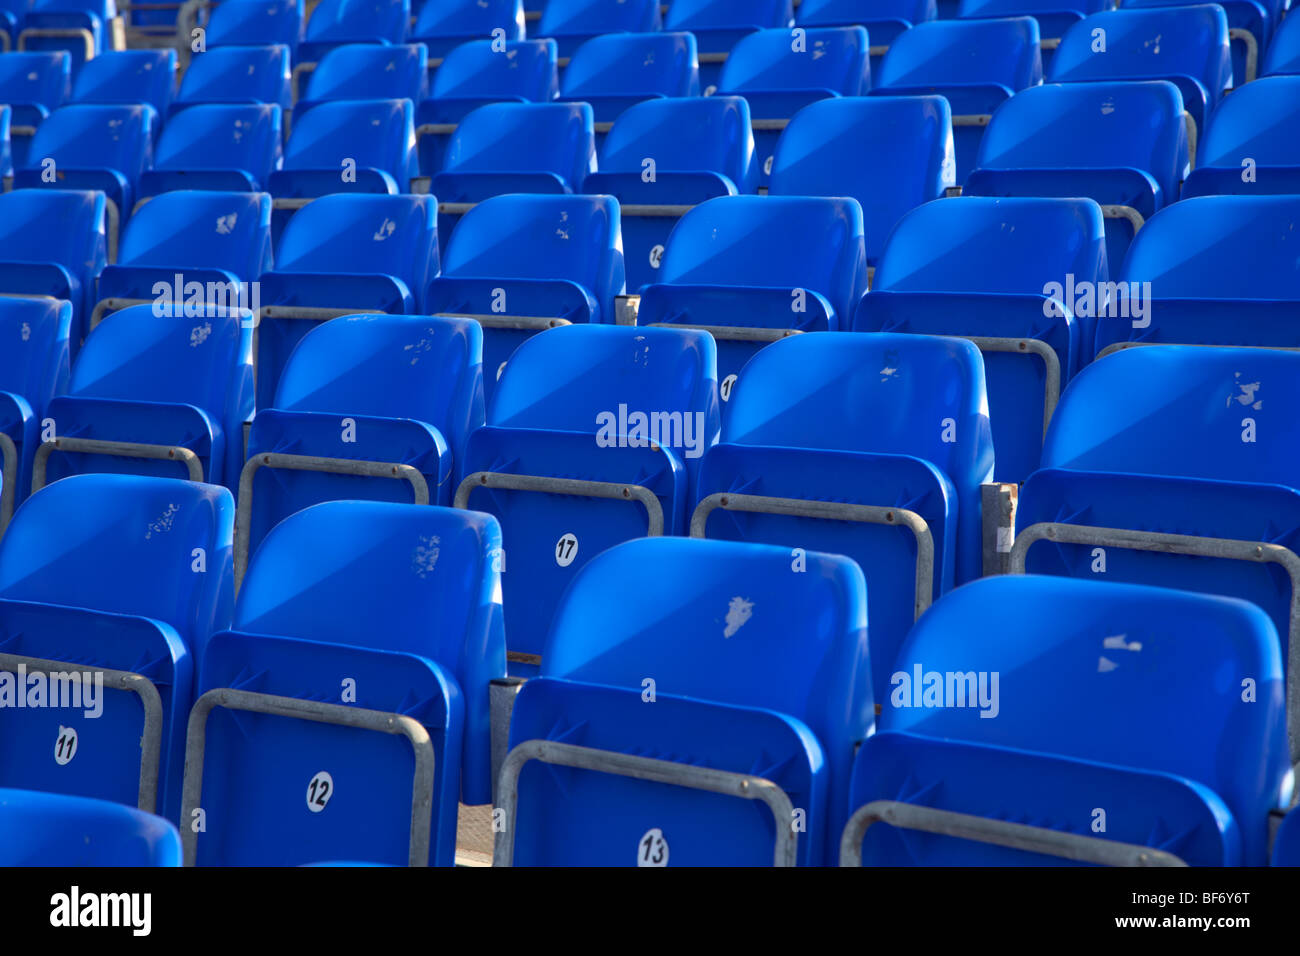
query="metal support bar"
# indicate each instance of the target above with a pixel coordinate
(455, 208)
(104, 306)
(712, 58)
(138, 684)
(87, 38)
(626, 308)
(565, 486)
(1191, 139)
(733, 333)
(120, 449)
(1258, 552)
(1051, 43)
(660, 212)
(768, 125)
(285, 203)
(1052, 381)
(972, 119)
(1252, 50)
(535, 323)
(878, 49)
(8, 479)
(113, 225)
(321, 713)
(1111, 211)
(641, 768)
(332, 466)
(833, 511)
(294, 80)
(998, 509)
(435, 129)
(1016, 836)
(501, 704)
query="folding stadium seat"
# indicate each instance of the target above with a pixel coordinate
(255, 23)
(514, 268)
(1250, 25)
(33, 369)
(190, 247)
(976, 65)
(155, 391)
(369, 407)
(33, 84)
(342, 255)
(1186, 45)
(402, 605)
(1252, 142)
(149, 564)
(333, 23)
(1123, 144)
(871, 446)
(62, 263)
(82, 27)
(92, 146)
(902, 151)
(986, 269)
(1054, 16)
(513, 148)
(445, 24)
(573, 22)
(753, 269)
(718, 25)
(129, 76)
(884, 21)
(47, 829)
(367, 71)
(759, 691)
(216, 146)
(1175, 767)
(236, 74)
(473, 75)
(1283, 55)
(1221, 270)
(648, 398)
(620, 70)
(697, 148)
(12, 13)
(779, 76)
(355, 146)
(1173, 466)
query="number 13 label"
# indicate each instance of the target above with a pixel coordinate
(653, 849)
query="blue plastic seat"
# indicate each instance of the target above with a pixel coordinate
(1186, 45)
(1054, 16)
(81, 27)
(1220, 271)
(402, 604)
(61, 263)
(619, 70)
(761, 266)
(237, 74)
(218, 243)
(884, 22)
(1174, 761)
(902, 149)
(129, 76)
(343, 254)
(1258, 18)
(779, 76)
(1252, 142)
(33, 84)
(442, 25)
(626, 413)
(374, 389)
(33, 369)
(334, 23)
(151, 562)
(1123, 144)
(473, 75)
(718, 25)
(93, 147)
(1172, 441)
(976, 65)
(698, 148)
(573, 22)
(150, 376)
(514, 148)
(987, 269)
(12, 13)
(218, 147)
(256, 23)
(757, 671)
(515, 257)
(367, 71)
(1283, 55)
(882, 421)
(48, 829)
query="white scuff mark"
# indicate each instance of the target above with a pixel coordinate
(426, 555)
(164, 522)
(739, 611)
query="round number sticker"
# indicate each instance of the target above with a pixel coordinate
(566, 549)
(319, 791)
(65, 748)
(653, 849)
(656, 256)
(725, 388)
(767, 165)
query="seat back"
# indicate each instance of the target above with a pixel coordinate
(966, 55)
(1250, 143)
(97, 136)
(358, 21)
(50, 829)
(41, 78)
(128, 76)
(370, 134)
(614, 71)
(474, 70)
(237, 74)
(1282, 58)
(216, 144)
(201, 230)
(34, 360)
(518, 147)
(369, 71)
(825, 60)
(444, 24)
(571, 22)
(256, 23)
